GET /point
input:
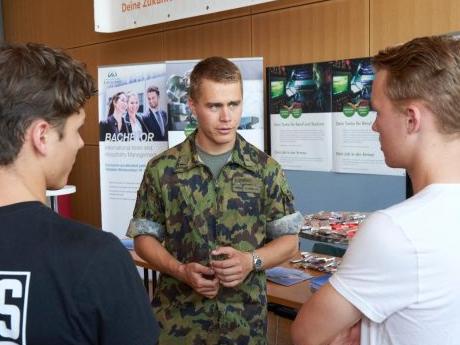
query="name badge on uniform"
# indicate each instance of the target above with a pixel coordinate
(246, 184)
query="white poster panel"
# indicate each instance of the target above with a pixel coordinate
(300, 116)
(341, 89)
(181, 120)
(127, 140)
(118, 15)
(357, 147)
(302, 143)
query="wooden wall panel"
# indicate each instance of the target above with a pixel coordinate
(397, 21)
(229, 38)
(58, 23)
(280, 4)
(78, 17)
(207, 18)
(86, 202)
(147, 48)
(317, 32)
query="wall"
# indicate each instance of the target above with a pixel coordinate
(1, 22)
(283, 32)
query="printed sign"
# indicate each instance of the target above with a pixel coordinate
(118, 15)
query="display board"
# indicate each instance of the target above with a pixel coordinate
(321, 118)
(320, 131)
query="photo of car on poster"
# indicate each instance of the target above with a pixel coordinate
(298, 89)
(321, 118)
(352, 86)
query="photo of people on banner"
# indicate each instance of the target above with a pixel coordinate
(127, 121)
(133, 111)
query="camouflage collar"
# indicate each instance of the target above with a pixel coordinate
(243, 154)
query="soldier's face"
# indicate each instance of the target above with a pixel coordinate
(218, 111)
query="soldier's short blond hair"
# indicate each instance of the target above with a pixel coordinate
(215, 68)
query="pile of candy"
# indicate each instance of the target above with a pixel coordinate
(318, 262)
(334, 227)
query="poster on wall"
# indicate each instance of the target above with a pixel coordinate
(356, 147)
(299, 105)
(133, 129)
(182, 121)
(321, 118)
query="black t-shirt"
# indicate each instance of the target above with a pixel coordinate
(62, 282)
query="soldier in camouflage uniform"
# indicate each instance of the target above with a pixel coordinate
(240, 212)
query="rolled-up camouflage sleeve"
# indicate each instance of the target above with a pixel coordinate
(288, 225)
(282, 218)
(148, 215)
(139, 226)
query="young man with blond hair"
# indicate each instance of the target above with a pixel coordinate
(399, 278)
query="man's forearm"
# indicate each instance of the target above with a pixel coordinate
(279, 250)
(151, 250)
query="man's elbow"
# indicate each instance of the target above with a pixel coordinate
(140, 243)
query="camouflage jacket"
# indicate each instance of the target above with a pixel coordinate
(190, 212)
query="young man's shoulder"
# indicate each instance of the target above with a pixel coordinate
(65, 244)
(35, 220)
(77, 232)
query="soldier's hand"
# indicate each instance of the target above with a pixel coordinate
(234, 269)
(200, 278)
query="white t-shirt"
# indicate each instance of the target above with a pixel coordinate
(402, 271)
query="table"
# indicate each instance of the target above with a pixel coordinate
(290, 296)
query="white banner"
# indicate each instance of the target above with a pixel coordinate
(118, 15)
(124, 152)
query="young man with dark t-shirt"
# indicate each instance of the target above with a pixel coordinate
(61, 282)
